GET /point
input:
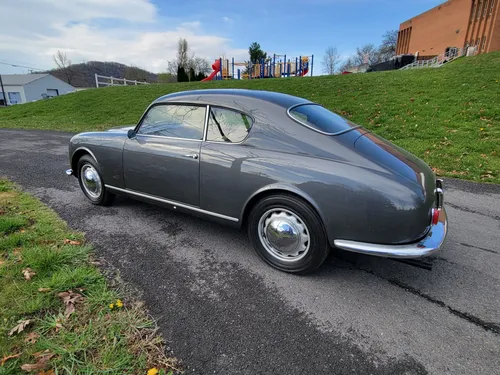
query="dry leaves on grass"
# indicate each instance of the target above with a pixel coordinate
(22, 324)
(67, 241)
(28, 273)
(31, 338)
(41, 364)
(70, 299)
(44, 290)
(7, 357)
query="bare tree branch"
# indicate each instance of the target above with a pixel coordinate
(64, 64)
(331, 60)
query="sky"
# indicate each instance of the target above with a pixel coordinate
(145, 33)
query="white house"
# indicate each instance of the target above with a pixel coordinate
(24, 88)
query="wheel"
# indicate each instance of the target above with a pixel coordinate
(288, 234)
(91, 182)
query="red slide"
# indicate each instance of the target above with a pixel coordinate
(216, 68)
(304, 72)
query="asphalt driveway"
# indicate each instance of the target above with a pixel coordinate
(224, 311)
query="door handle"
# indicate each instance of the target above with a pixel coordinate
(192, 156)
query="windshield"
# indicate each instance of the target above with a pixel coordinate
(320, 119)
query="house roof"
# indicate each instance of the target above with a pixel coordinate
(20, 79)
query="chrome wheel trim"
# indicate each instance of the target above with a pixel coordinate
(284, 235)
(91, 181)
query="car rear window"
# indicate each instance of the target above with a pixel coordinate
(320, 119)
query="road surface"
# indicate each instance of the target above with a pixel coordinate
(223, 311)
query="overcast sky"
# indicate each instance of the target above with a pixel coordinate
(145, 32)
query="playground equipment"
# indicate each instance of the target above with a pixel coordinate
(272, 67)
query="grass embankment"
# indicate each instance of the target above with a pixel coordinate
(449, 117)
(58, 315)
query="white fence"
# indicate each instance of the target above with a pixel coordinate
(101, 81)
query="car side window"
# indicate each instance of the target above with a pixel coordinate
(225, 125)
(173, 120)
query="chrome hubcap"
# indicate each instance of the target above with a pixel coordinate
(284, 235)
(91, 181)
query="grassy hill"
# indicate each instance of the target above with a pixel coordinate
(450, 116)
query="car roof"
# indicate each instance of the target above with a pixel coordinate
(227, 96)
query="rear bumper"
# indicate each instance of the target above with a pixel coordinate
(431, 243)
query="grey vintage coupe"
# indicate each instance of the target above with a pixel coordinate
(298, 177)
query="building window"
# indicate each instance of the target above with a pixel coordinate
(477, 42)
(474, 5)
(483, 45)
(492, 6)
(485, 11)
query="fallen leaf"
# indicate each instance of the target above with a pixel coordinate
(7, 357)
(72, 242)
(2, 212)
(41, 364)
(70, 298)
(48, 372)
(31, 338)
(153, 371)
(22, 324)
(22, 231)
(28, 273)
(2, 262)
(44, 290)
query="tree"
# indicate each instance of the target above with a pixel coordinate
(182, 53)
(183, 60)
(387, 49)
(182, 75)
(64, 65)
(367, 54)
(347, 64)
(256, 53)
(331, 60)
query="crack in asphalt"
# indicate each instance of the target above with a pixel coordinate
(465, 209)
(487, 326)
(479, 248)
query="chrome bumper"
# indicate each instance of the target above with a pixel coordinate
(428, 245)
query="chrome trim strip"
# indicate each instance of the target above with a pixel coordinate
(207, 114)
(312, 128)
(174, 203)
(425, 247)
(85, 149)
(69, 172)
(164, 136)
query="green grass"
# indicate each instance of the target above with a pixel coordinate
(449, 116)
(95, 338)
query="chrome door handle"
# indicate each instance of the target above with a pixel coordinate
(192, 156)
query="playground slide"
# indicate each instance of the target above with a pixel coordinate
(304, 72)
(216, 69)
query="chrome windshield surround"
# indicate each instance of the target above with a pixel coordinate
(431, 243)
(288, 112)
(173, 203)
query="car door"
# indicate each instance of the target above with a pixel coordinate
(162, 158)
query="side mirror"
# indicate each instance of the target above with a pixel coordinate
(131, 133)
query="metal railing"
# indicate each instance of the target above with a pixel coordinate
(113, 81)
(439, 60)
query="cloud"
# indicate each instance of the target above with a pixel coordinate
(227, 20)
(127, 31)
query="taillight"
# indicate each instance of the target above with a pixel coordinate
(435, 216)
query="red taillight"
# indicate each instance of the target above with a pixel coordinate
(435, 216)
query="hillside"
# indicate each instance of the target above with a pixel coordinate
(448, 116)
(82, 75)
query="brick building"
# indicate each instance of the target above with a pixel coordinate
(455, 23)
